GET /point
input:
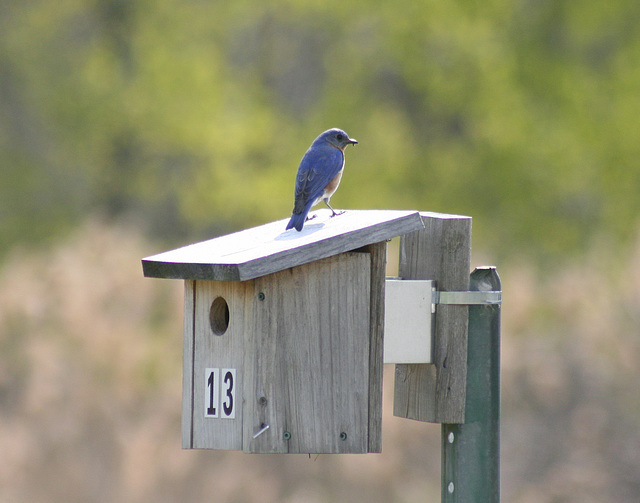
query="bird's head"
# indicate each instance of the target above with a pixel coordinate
(337, 138)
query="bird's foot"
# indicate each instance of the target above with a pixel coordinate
(336, 213)
(310, 218)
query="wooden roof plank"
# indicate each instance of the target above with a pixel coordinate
(268, 248)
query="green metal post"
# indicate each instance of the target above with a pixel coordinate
(471, 451)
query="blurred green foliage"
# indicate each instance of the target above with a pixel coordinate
(193, 115)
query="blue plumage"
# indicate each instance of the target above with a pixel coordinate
(319, 174)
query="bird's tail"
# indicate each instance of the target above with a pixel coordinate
(297, 221)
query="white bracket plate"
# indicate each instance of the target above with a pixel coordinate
(408, 320)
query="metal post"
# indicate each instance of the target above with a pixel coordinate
(471, 451)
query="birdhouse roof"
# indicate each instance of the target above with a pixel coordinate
(269, 248)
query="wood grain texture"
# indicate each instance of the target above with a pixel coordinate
(269, 248)
(204, 349)
(378, 253)
(307, 358)
(442, 252)
(187, 364)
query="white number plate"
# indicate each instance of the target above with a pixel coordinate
(220, 393)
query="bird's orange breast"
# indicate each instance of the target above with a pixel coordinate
(332, 186)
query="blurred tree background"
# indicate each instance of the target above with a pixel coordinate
(193, 115)
(161, 121)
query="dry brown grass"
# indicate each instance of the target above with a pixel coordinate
(90, 385)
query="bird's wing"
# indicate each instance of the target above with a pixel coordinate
(318, 167)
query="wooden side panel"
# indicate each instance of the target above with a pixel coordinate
(378, 253)
(310, 370)
(442, 252)
(187, 363)
(214, 403)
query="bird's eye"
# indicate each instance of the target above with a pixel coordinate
(340, 137)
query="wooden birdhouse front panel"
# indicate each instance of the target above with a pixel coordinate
(216, 321)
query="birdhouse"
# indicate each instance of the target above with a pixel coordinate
(283, 334)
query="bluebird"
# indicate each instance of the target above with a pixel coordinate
(319, 174)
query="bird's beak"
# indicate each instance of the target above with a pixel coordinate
(353, 141)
